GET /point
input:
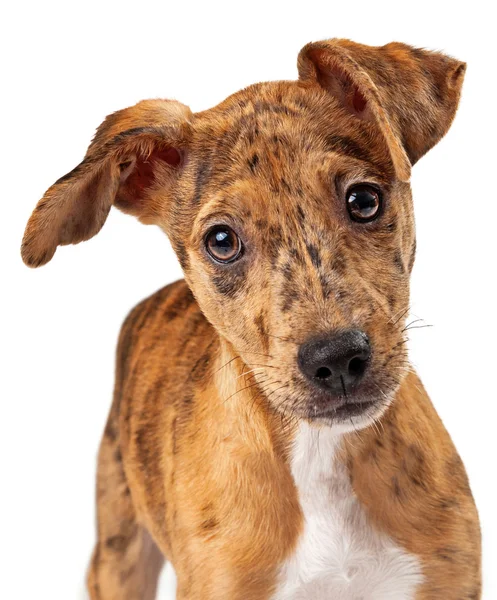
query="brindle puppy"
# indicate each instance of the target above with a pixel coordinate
(267, 434)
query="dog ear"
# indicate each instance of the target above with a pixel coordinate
(412, 94)
(135, 152)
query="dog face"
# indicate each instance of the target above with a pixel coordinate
(290, 211)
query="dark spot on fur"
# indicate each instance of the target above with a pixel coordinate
(148, 450)
(274, 243)
(399, 263)
(339, 264)
(412, 257)
(327, 286)
(178, 304)
(287, 271)
(346, 145)
(314, 255)
(227, 283)
(288, 295)
(414, 466)
(397, 490)
(110, 431)
(201, 368)
(260, 324)
(457, 473)
(285, 185)
(448, 503)
(209, 525)
(118, 543)
(253, 162)
(189, 333)
(182, 255)
(447, 553)
(149, 309)
(200, 180)
(297, 255)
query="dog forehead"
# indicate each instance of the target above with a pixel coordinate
(276, 128)
(257, 113)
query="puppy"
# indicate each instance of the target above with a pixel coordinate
(267, 434)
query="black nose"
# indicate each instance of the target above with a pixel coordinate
(336, 363)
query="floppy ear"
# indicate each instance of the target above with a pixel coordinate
(135, 152)
(412, 94)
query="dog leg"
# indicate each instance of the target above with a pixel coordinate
(126, 562)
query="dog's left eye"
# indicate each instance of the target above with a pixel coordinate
(363, 203)
(223, 244)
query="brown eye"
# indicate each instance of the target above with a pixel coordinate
(363, 203)
(223, 244)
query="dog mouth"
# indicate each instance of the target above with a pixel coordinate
(354, 409)
(342, 411)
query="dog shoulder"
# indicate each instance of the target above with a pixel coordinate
(166, 325)
(165, 309)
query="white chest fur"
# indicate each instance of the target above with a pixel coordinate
(339, 555)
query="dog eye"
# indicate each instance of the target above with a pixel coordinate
(223, 244)
(363, 203)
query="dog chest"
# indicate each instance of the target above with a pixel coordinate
(339, 555)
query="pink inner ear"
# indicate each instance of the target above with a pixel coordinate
(169, 155)
(338, 82)
(358, 101)
(143, 174)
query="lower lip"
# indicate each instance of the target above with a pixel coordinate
(345, 411)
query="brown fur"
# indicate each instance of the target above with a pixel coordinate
(194, 463)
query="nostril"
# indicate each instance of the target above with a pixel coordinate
(356, 367)
(323, 373)
(335, 362)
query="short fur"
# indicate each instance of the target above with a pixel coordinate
(199, 462)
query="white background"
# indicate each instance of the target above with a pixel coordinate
(65, 65)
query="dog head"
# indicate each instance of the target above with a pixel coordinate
(289, 208)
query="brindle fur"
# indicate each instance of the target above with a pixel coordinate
(194, 462)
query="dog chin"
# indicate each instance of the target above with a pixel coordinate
(350, 417)
(347, 414)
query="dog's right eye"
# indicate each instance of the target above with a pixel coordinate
(223, 245)
(363, 203)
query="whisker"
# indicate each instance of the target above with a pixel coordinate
(228, 363)
(412, 323)
(242, 390)
(285, 339)
(239, 357)
(417, 327)
(402, 314)
(258, 368)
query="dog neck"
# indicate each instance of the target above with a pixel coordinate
(370, 455)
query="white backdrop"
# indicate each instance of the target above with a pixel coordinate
(65, 65)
